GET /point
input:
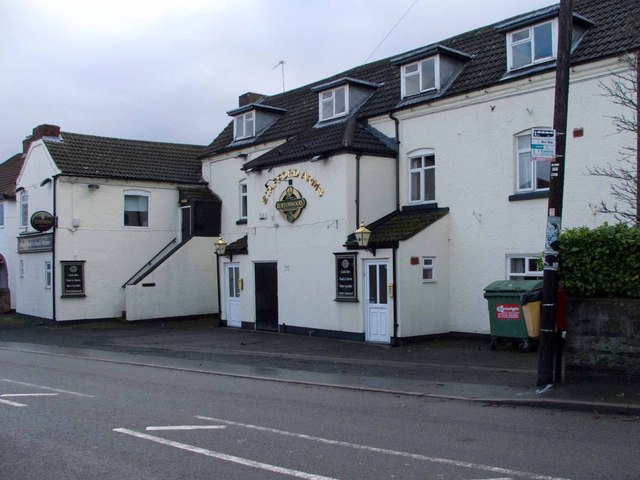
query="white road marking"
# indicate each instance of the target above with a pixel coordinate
(29, 395)
(47, 388)
(13, 404)
(444, 461)
(223, 456)
(186, 427)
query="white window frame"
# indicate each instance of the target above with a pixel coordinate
(328, 97)
(47, 275)
(429, 264)
(531, 39)
(243, 199)
(136, 193)
(244, 125)
(421, 171)
(533, 166)
(419, 73)
(24, 208)
(529, 273)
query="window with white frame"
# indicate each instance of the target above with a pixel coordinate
(24, 208)
(333, 103)
(428, 269)
(136, 208)
(244, 125)
(530, 176)
(422, 177)
(243, 199)
(524, 267)
(420, 76)
(47, 275)
(533, 44)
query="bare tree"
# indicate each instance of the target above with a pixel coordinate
(623, 90)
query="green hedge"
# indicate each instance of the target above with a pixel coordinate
(601, 262)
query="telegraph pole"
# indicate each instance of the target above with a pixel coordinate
(548, 349)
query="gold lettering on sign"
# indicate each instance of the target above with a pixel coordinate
(286, 175)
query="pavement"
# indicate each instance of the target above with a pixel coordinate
(450, 367)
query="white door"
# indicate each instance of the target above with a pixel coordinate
(232, 282)
(378, 293)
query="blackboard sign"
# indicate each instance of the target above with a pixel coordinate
(73, 279)
(346, 277)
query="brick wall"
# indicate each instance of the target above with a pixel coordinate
(603, 336)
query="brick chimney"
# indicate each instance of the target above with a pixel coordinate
(40, 131)
(249, 97)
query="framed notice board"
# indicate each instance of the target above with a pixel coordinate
(346, 277)
(73, 278)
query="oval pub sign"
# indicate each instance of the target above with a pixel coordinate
(42, 221)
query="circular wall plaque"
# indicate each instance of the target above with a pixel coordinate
(42, 221)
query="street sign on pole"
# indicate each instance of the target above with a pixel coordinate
(543, 145)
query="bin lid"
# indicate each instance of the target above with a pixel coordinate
(515, 286)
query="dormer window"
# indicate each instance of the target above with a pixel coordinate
(421, 76)
(429, 71)
(532, 44)
(251, 121)
(244, 125)
(333, 103)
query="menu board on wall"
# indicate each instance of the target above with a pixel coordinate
(73, 279)
(346, 277)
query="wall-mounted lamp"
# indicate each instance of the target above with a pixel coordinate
(220, 246)
(45, 181)
(93, 187)
(242, 155)
(362, 235)
(317, 158)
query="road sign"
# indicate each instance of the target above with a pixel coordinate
(543, 145)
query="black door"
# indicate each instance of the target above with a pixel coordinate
(267, 296)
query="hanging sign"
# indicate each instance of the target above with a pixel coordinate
(290, 204)
(42, 221)
(543, 145)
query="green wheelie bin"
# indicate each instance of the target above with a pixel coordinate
(506, 315)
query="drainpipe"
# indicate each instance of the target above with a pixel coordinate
(53, 249)
(397, 122)
(394, 249)
(357, 190)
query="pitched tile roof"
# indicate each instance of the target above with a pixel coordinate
(105, 157)
(614, 31)
(198, 194)
(339, 137)
(9, 171)
(239, 247)
(402, 225)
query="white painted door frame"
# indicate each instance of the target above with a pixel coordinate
(232, 294)
(378, 300)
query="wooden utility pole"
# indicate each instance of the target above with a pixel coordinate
(548, 349)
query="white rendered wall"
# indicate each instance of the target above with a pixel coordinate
(184, 285)
(112, 252)
(31, 296)
(473, 140)
(423, 306)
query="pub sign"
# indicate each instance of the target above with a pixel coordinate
(346, 276)
(73, 279)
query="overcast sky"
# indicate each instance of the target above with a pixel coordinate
(169, 70)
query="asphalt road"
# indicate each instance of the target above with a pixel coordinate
(71, 418)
